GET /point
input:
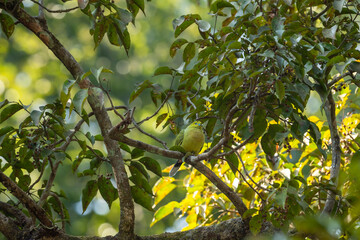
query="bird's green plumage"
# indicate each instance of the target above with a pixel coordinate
(191, 139)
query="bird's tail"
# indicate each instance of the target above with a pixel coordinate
(175, 168)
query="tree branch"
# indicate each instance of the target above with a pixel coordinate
(234, 198)
(338, 78)
(49, 183)
(330, 109)
(25, 200)
(8, 227)
(127, 215)
(55, 11)
(126, 227)
(21, 219)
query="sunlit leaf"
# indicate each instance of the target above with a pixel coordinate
(10, 110)
(162, 188)
(161, 118)
(164, 211)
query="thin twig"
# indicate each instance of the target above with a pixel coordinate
(247, 174)
(49, 183)
(243, 177)
(54, 11)
(112, 105)
(149, 135)
(38, 179)
(338, 78)
(62, 215)
(156, 112)
(321, 13)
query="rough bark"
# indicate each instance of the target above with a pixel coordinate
(330, 109)
(39, 28)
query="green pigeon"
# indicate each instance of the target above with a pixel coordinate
(191, 139)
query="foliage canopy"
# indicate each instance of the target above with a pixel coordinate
(275, 85)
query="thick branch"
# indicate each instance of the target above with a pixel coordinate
(8, 227)
(21, 219)
(127, 216)
(25, 200)
(234, 198)
(115, 134)
(126, 228)
(235, 228)
(336, 151)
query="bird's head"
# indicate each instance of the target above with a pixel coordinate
(196, 124)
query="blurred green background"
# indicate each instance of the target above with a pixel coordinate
(29, 72)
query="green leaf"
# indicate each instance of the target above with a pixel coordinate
(280, 198)
(210, 126)
(79, 100)
(107, 190)
(137, 168)
(123, 34)
(162, 188)
(144, 85)
(255, 224)
(164, 211)
(268, 145)
(334, 60)
(101, 28)
(141, 183)
(5, 130)
(160, 119)
(136, 153)
(3, 103)
(124, 15)
(76, 164)
(7, 24)
(204, 26)
(183, 22)
(113, 36)
(152, 165)
(219, 5)
(189, 52)
(249, 212)
(140, 4)
(35, 116)
(88, 193)
(277, 25)
(163, 70)
(330, 32)
(68, 84)
(9, 111)
(176, 45)
(338, 4)
(233, 162)
(280, 90)
(124, 147)
(141, 197)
